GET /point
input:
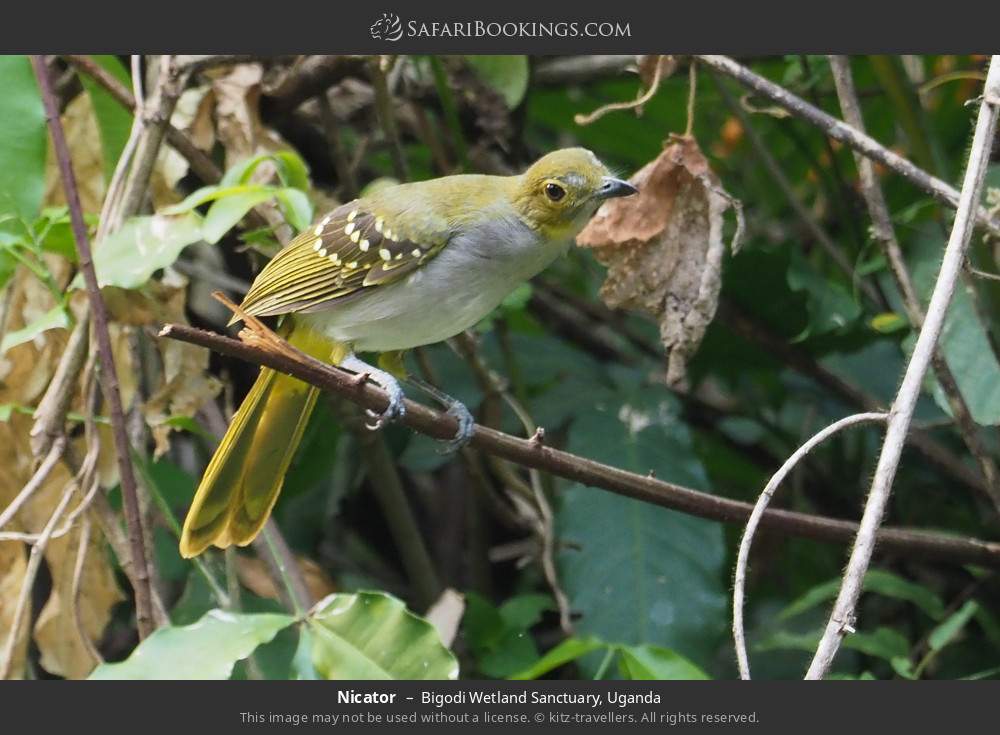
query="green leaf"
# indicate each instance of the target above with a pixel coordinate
(888, 322)
(499, 638)
(142, 246)
(508, 75)
(55, 318)
(296, 207)
(948, 631)
(114, 122)
(371, 635)
(22, 130)
(876, 580)
(207, 649)
(965, 340)
(647, 662)
(639, 573)
(569, 650)
(831, 307)
(883, 643)
(228, 210)
(292, 170)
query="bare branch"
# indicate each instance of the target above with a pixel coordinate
(839, 130)
(909, 542)
(743, 557)
(841, 619)
(109, 375)
(885, 235)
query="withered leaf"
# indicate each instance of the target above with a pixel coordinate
(663, 248)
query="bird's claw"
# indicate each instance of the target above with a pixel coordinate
(393, 412)
(466, 427)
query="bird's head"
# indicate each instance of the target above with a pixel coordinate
(562, 190)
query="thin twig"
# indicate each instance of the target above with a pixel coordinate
(847, 134)
(36, 481)
(802, 362)
(763, 501)
(885, 235)
(387, 117)
(284, 568)
(82, 547)
(807, 218)
(38, 550)
(842, 616)
(387, 487)
(439, 425)
(109, 375)
(642, 98)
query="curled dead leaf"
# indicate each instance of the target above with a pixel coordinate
(663, 248)
(253, 575)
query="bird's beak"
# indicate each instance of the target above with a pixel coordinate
(611, 187)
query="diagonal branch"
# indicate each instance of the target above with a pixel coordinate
(885, 235)
(842, 617)
(908, 542)
(847, 134)
(109, 375)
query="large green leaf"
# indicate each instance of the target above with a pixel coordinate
(635, 572)
(141, 247)
(226, 211)
(876, 580)
(371, 635)
(207, 649)
(54, 318)
(113, 121)
(570, 649)
(23, 139)
(657, 663)
(964, 340)
(508, 75)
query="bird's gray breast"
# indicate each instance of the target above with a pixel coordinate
(450, 293)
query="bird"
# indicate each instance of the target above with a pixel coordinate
(407, 265)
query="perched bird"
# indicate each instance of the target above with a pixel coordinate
(409, 265)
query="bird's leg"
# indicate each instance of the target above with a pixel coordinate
(454, 407)
(395, 410)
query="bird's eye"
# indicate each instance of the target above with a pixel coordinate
(554, 192)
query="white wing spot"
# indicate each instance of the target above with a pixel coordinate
(319, 230)
(378, 224)
(399, 256)
(335, 259)
(322, 252)
(355, 236)
(416, 252)
(364, 245)
(318, 244)
(349, 228)
(353, 264)
(352, 215)
(384, 254)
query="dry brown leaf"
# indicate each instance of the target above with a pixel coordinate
(663, 248)
(13, 565)
(62, 651)
(253, 575)
(446, 614)
(84, 140)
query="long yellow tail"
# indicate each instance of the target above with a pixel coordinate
(242, 482)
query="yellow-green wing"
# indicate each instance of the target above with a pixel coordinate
(351, 249)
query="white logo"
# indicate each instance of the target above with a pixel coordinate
(387, 28)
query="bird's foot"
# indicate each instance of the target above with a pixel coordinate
(453, 407)
(396, 408)
(466, 427)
